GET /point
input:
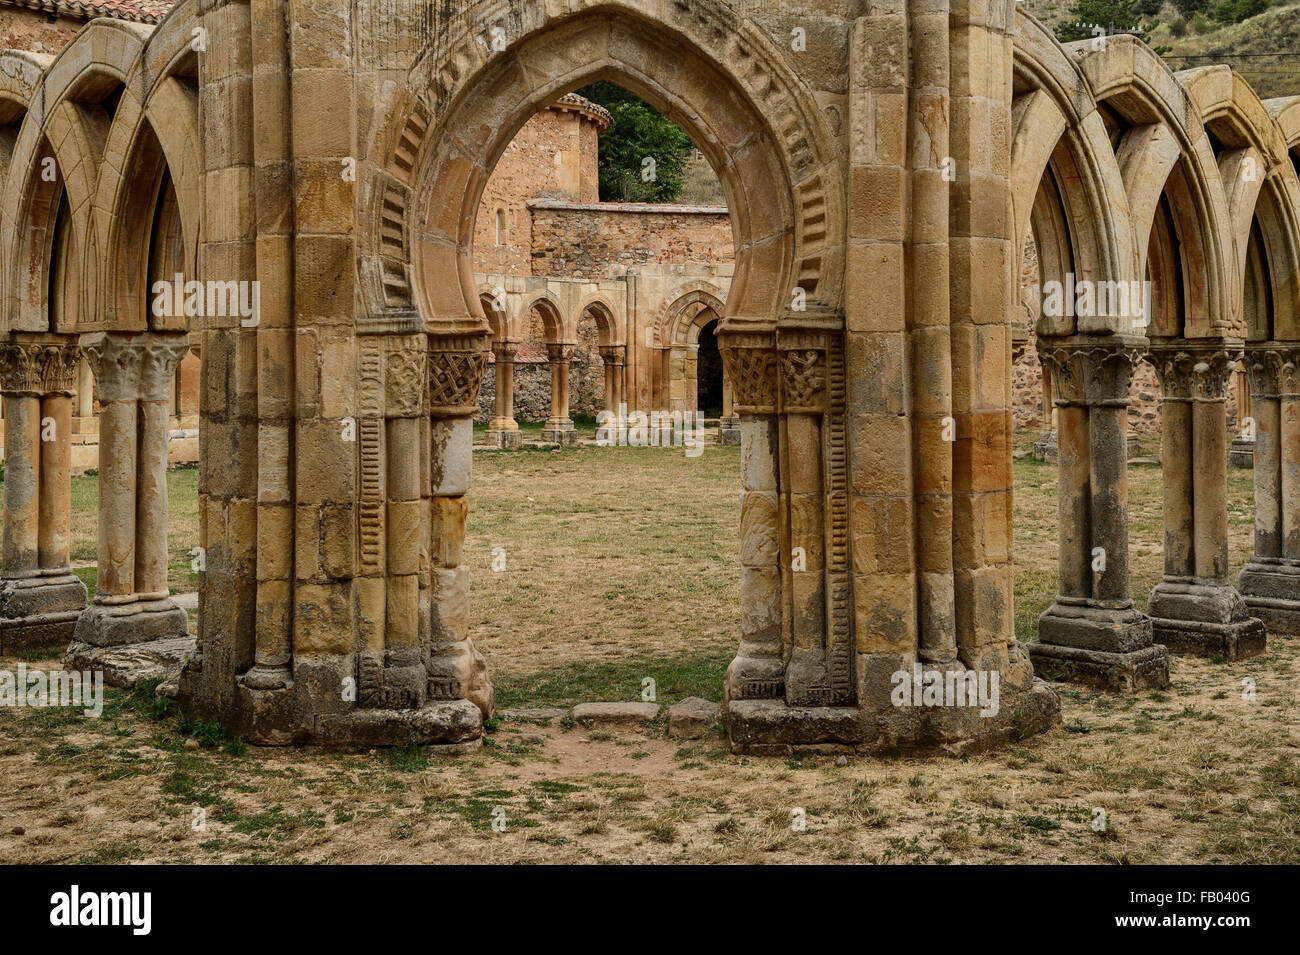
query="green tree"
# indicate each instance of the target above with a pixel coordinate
(642, 155)
(1113, 16)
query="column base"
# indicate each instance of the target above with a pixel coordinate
(1129, 672)
(1272, 595)
(115, 625)
(728, 431)
(1087, 626)
(561, 436)
(40, 611)
(1241, 453)
(1045, 447)
(319, 705)
(503, 439)
(770, 727)
(754, 678)
(1205, 620)
(1106, 647)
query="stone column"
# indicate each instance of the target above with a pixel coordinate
(615, 419)
(1195, 609)
(1270, 582)
(456, 670)
(1241, 453)
(1045, 448)
(758, 671)
(559, 428)
(40, 597)
(133, 373)
(503, 431)
(729, 423)
(1091, 633)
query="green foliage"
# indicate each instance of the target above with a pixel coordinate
(1178, 27)
(1234, 11)
(639, 132)
(1113, 16)
(1189, 8)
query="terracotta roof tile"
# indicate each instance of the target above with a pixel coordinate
(144, 11)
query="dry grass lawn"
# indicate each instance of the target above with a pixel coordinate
(621, 564)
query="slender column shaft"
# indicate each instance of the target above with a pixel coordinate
(22, 485)
(1108, 463)
(1210, 489)
(404, 525)
(1268, 477)
(151, 499)
(55, 483)
(1073, 464)
(1289, 415)
(1176, 466)
(118, 436)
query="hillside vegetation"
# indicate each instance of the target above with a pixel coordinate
(1264, 48)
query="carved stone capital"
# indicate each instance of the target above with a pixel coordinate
(804, 378)
(39, 367)
(456, 365)
(115, 363)
(404, 376)
(614, 354)
(752, 363)
(1193, 372)
(1273, 369)
(504, 352)
(1089, 372)
(559, 352)
(159, 356)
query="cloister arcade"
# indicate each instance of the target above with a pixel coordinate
(884, 180)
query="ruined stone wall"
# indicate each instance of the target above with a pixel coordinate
(553, 156)
(599, 241)
(34, 31)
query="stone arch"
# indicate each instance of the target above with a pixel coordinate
(558, 327)
(606, 317)
(676, 325)
(759, 126)
(1058, 134)
(500, 319)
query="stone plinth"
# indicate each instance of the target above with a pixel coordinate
(1241, 453)
(503, 439)
(1205, 619)
(39, 611)
(1195, 609)
(1101, 647)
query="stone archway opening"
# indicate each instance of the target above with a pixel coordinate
(708, 370)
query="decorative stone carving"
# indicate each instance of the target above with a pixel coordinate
(752, 365)
(456, 367)
(404, 382)
(558, 352)
(1190, 373)
(38, 367)
(1091, 374)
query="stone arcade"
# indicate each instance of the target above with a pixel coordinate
(881, 182)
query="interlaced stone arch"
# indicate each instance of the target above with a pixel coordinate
(792, 229)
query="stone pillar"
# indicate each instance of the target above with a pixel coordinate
(1270, 581)
(1091, 633)
(1045, 448)
(758, 671)
(1241, 454)
(559, 428)
(729, 423)
(456, 671)
(503, 431)
(614, 421)
(40, 597)
(1195, 609)
(133, 374)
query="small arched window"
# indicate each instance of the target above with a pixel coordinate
(501, 226)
